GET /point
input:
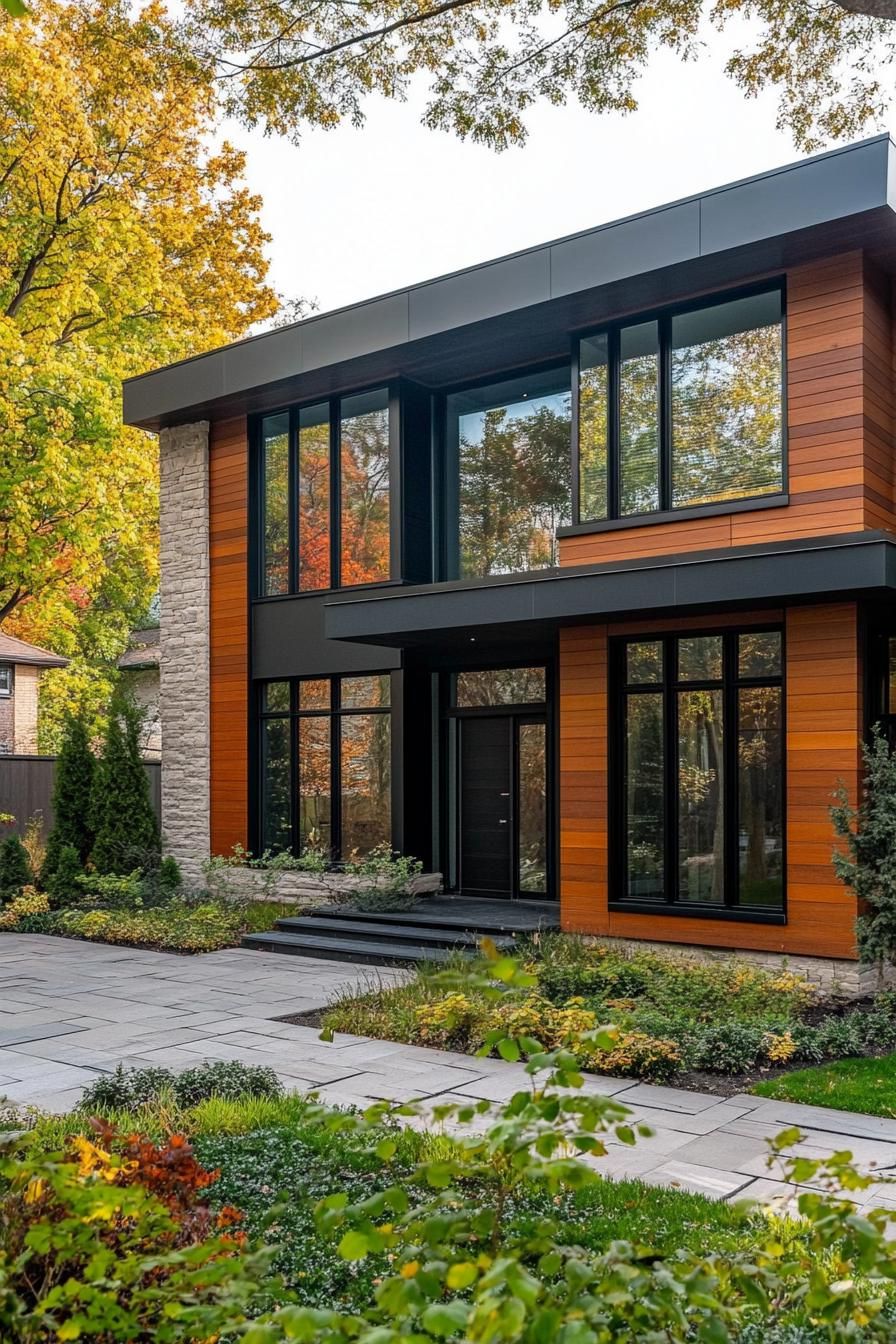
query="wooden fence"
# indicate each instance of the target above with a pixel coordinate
(26, 788)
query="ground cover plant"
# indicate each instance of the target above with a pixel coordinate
(677, 1018)
(867, 1085)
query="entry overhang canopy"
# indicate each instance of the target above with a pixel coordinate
(824, 568)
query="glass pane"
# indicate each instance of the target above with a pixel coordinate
(500, 686)
(644, 661)
(276, 697)
(727, 401)
(701, 832)
(759, 654)
(700, 658)
(639, 438)
(314, 498)
(314, 694)
(314, 784)
(366, 782)
(644, 797)
(891, 692)
(275, 446)
(760, 795)
(276, 785)
(365, 488)
(511, 442)
(365, 692)
(533, 828)
(593, 432)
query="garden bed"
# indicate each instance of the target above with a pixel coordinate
(719, 1027)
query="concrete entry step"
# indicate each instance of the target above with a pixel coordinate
(361, 951)
(371, 929)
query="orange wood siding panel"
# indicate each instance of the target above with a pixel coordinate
(229, 633)
(823, 711)
(839, 426)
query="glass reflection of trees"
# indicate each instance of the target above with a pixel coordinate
(701, 701)
(510, 447)
(364, 489)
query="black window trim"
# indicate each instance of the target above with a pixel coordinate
(392, 387)
(666, 511)
(730, 684)
(7, 691)
(335, 712)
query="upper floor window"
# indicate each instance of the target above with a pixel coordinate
(507, 479)
(683, 410)
(5, 678)
(325, 495)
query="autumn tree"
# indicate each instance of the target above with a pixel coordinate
(126, 241)
(487, 62)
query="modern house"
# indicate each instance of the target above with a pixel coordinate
(573, 573)
(21, 668)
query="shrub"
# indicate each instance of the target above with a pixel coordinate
(730, 1047)
(127, 833)
(636, 1055)
(841, 1036)
(869, 836)
(62, 884)
(71, 798)
(112, 891)
(387, 891)
(170, 879)
(15, 871)
(29, 902)
(453, 1021)
(132, 1089)
(126, 1090)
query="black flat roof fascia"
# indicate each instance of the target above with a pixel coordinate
(838, 567)
(836, 198)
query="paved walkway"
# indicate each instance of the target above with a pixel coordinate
(70, 1010)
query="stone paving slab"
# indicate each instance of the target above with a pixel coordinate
(71, 1011)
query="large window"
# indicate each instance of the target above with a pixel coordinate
(325, 765)
(508, 480)
(318, 464)
(683, 411)
(700, 777)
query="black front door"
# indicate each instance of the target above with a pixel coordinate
(486, 806)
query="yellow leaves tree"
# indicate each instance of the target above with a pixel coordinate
(125, 241)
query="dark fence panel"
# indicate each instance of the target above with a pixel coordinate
(26, 787)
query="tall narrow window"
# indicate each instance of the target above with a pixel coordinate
(726, 408)
(508, 460)
(364, 489)
(313, 485)
(275, 504)
(639, 428)
(709, 831)
(594, 428)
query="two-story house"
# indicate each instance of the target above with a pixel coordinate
(572, 573)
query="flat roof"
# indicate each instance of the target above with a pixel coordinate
(843, 198)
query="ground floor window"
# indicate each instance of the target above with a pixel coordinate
(325, 751)
(699, 770)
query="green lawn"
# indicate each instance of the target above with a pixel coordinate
(866, 1085)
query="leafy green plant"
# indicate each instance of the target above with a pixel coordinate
(72, 790)
(380, 881)
(730, 1047)
(127, 832)
(15, 871)
(866, 864)
(63, 883)
(133, 1089)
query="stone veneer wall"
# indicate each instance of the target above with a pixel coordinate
(184, 643)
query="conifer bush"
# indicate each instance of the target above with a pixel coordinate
(867, 863)
(15, 871)
(127, 832)
(62, 885)
(71, 799)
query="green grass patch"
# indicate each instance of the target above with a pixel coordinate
(864, 1085)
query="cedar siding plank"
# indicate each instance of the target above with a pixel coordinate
(229, 633)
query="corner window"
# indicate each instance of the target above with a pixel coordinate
(5, 679)
(319, 464)
(683, 411)
(507, 479)
(700, 771)
(325, 765)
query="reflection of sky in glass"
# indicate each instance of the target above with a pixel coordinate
(472, 424)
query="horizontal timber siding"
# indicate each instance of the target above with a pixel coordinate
(839, 426)
(229, 633)
(823, 709)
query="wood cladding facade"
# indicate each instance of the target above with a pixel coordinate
(822, 680)
(839, 427)
(229, 633)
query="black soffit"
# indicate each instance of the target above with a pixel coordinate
(836, 568)
(456, 326)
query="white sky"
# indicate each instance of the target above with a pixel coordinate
(354, 213)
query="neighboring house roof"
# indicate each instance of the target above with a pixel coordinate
(14, 650)
(144, 651)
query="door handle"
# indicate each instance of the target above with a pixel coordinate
(503, 795)
(502, 821)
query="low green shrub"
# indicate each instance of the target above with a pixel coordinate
(730, 1047)
(133, 1089)
(15, 870)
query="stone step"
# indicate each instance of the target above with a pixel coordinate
(361, 951)
(494, 923)
(378, 929)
